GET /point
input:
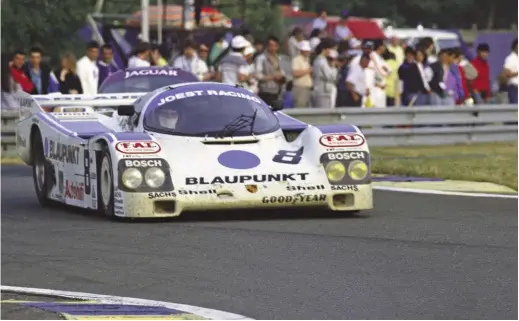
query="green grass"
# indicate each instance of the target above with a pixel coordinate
(499, 166)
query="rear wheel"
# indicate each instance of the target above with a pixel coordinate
(41, 171)
(105, 184)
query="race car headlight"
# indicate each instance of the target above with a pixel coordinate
(358, 170)
(155, 177)
(132, 178)
(335, 171)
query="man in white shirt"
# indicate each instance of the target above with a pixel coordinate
(87, 69)
(190, 61)
(321, 21)
(234, 68)
(141, 58)
(356, 81)
(510, 72)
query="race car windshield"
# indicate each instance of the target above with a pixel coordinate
(141, 84)
(211, 116)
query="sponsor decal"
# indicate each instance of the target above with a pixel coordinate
(86, 161)
(352, 188)
(305, 188)
(342, 140)
(251, 188)
(143, 163)
(197, 93)
(151, 72)
(24, 102)
(94, 204)
(138, 147)
(21, 141)
(63, 153)
(263, 178)
(347, 155)
(96, 97)
(295, 199)
(289, 157)
(94, 196)
(75, 191)
(182, 192)
(118, 210)
(61, 183)
(93, 175)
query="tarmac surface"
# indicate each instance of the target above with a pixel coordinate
(414, 256)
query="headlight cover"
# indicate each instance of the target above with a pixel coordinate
(132, 178)
(358, 170)
(155, 177)
(335, 171)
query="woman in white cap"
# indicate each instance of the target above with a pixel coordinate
(302, 75)
(325, 76)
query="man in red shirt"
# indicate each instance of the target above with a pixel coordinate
(481, 85)
(18, 73)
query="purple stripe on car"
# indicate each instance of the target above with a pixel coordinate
(102, 309)
(54, 125)
(287, 122)
(85, 129)
(341, 128)
(132, 136)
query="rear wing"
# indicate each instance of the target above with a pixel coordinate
(40, 103)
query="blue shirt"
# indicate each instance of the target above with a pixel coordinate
(105, 70)
(319, 23)
(341, 32)
(36, 79)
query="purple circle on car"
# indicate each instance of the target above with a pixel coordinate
(238, 159)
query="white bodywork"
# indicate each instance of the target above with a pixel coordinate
(71, 149)
(442, 39)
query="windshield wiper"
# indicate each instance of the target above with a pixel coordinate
(240, 122)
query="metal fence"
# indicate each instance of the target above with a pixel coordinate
(384, 126)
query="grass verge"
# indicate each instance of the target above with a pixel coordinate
(486, 162)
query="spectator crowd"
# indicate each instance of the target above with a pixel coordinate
(324, 72)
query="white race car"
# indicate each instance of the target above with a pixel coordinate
(192, 146)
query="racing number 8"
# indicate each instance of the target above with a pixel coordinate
(288, 157)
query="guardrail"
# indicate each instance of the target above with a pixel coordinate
(384, 126)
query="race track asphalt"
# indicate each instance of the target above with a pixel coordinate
(413, 257)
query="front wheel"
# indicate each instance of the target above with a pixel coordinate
(40, 172)
(105, 184)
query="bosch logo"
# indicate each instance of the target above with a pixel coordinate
(346, 156)
(138, 147)
(143, 163)
(342, 140)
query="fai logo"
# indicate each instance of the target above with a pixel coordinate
(138, 147)
(342, 140)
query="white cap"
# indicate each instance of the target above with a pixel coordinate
(333, 54)
(239, 42)
(304, 45)
(249, 50)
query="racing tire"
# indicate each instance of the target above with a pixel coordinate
(105, 184)
(41, 172)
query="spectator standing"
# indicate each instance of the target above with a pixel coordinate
(342, 90)
(268, 72)
(395, 48)
(315, 38)
(392, 81)
(458, 59)
(141, 58)
(157, 58)
(342, 32)
(18, 74)
(189, 61)
(302, 76)
(203, 54)
(481, 84)
(510, 72)
(40, 74)
(251, 84)
(440, 95)
(219, 46)
(416, 85)
(324, 77)
(427, 46)
(106, 64)
(356, 81)
(69, 82)
(380, 72)
(87, 69)
(259, 47)
(234, 68)
(293, 42)
(321, 22)
(9, 86)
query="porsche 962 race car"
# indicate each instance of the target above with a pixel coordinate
(192, 146)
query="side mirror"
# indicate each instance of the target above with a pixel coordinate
(126, 110)
(277, 105)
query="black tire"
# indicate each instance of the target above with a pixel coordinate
(105, 181)
(41, 172)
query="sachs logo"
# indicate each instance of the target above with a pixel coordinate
(138, 147)
(342, 140)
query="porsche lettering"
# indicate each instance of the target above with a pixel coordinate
(342, 140)
(264, 178)
(63, 153)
